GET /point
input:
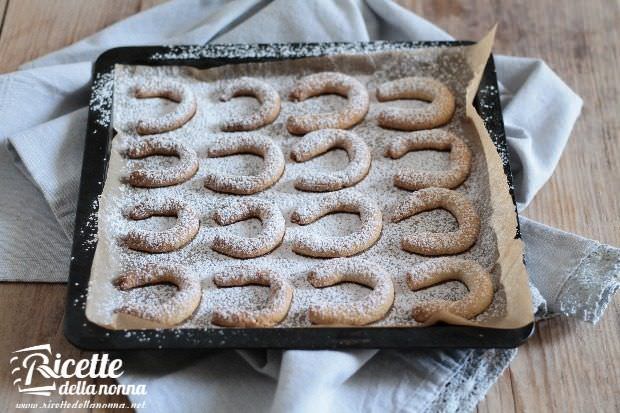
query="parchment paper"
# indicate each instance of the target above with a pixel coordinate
(504, 259)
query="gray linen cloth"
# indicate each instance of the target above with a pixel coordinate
(42, 125)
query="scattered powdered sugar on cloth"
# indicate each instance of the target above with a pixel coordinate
(445, 64)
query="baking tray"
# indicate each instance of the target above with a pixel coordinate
(85, 334)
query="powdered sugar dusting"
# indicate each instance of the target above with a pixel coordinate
(203, 131)
(319, 245)
(316, 143)
(172, 90)
(372, 307)
(272, 230)
(281, 50)
(276, 308)
(266, 95)
(329, 83)
(101, 98)
(226, 145)
(140, 174)
(437, 113)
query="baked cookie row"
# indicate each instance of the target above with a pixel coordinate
(439, 112)
(310, 146)
(308, 244)
(373, 307)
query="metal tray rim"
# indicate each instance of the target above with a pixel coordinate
(84, 334)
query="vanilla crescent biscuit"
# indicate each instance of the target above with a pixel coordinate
(243, 247)
(329, 83)
(371, 308)
(439, 270)
(266, 95)
(317, 143)
(278, 303)
(171, 90)
(273, 167)
(432, 243)
(437, 113)
(170, 239)
(314, 245)
(159, 177)
(437, 139)
(174, 310)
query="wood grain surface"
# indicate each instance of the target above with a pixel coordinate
(568, 366)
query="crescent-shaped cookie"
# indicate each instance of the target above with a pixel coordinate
(329, 83)
(437, 113)
(244, 247)
(439, 270)
(174, 310)
(266, 95)
(317, 143)
(278, 303)
(273, 164)
(171, 90)
(432, 243)
(314, 245)
(178, 173)
(170, 239)
(372, 307)
(437, 139)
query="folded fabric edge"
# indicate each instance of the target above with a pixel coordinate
(471, 383)
(54, 167)
(487, 374)
(64, 216)
(520, 79)
(539, 304)
(19, 164)
(586, 296)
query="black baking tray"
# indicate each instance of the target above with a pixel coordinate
(84, 334)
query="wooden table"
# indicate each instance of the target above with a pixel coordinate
(568, 365)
